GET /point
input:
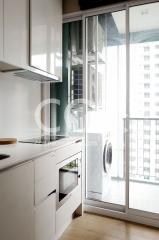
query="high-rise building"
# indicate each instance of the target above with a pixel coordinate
(144, 111)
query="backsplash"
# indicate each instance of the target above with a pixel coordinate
(18, 101)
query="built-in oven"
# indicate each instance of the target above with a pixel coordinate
(69, 178)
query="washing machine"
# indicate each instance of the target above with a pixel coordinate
(99, 162)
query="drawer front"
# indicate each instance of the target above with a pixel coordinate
(64, 213)
(45, 219)
(68, 151)
(45, 177)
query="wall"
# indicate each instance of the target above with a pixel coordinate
(18, 101)
(70, 6)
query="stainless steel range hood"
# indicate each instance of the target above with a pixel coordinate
(30, 73)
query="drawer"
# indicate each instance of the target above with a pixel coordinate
(45, 219)
(45, 177)
(68, 151)
(64, 213)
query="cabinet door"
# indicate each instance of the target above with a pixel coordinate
(17, 203)
(45, 178)
(46, 35)
(45, 219)
(1, 29)
(16, 32)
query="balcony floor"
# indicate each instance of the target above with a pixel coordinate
(143, 196)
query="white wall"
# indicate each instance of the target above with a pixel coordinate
(18, 100)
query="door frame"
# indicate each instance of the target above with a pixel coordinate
(97, 207)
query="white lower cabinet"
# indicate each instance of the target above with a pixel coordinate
(45, 197)
(65, 212)
(17, 203)
(45, 219)
(28, 200)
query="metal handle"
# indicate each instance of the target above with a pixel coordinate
(52, 193)
(80, 140)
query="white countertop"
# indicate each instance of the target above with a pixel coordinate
(22, 152)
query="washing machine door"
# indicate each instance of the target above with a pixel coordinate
(107, 156)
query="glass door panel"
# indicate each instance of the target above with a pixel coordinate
(106, 111)
(144, 108)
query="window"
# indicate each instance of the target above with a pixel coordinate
(146, 85)
(147, 123)
(147, 67)
(146, 141)
(146, 104)
(146, 48)
(157, 75)
(146, 58)
(146, 169)
(146, 95)
(146, 150)
(147, 132)
(146, 160)
(146, 113)
(146, 76)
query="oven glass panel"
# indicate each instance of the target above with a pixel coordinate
(68, 178)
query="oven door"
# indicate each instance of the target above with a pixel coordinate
(68, 178)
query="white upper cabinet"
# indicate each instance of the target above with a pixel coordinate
(46, 35)
(16, 32)
(1, 29)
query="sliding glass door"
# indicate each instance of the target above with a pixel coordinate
(106, 107)
(122, 123)
(144, 108)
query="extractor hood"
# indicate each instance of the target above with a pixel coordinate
(29, 73)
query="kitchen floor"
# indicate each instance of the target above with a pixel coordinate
(93, 227)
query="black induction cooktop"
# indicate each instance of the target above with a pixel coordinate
(42, 139)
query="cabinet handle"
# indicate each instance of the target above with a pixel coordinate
(52, 193)
(80, 140)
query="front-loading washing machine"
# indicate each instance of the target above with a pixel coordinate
(99, 161)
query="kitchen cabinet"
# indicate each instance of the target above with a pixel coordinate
(45, 219)
(64, 214)
(17, 203)
(45, 197)
(69, 187)
(16, 32)
(28, 198)
(45, 178)
(1, 29)
(46, 35)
